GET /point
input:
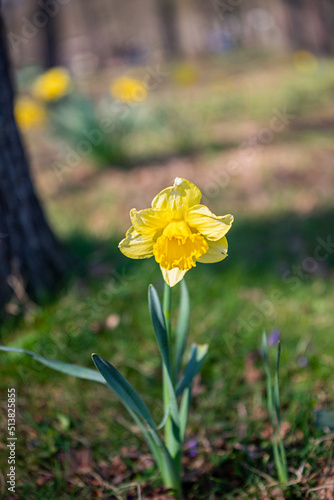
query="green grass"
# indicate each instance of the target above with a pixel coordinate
(232, 303)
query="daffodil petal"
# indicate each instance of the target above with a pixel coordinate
(217, 251)
(205, 222)
(173, 276)
(177, 199)
(148, 221)
(136, 246)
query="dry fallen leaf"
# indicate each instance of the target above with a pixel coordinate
(251, 373)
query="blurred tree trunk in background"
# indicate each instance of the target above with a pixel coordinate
(167, 11)
(27, 245)
(310, 24)
(50, 33)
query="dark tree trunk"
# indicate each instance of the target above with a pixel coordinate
(168, 16)
(49, 31)
(26, 241)
(310, 24)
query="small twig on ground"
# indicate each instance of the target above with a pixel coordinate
(318, 488)
(261, 474)
(328, 437)
(128, 425)
(105, 484)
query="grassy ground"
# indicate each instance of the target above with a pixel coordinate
(75, 439)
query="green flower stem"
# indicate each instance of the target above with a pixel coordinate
(169, 473)
(167, 308)
(172, 428)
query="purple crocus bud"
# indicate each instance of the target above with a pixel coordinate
(302, 362)
(274, 336)
(191, 447)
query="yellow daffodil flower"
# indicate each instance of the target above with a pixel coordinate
(185, 74)
(29, 113)
(177, 231)
(52, 85)
(128, 90)
(304, 61)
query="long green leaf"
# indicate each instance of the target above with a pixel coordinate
(137, 408)
(182, 327)
(270, 403)
(197, 357)
(164, 419)
(277, 444)
(184, 411)
(160, 330)
(60, 366)
(166, 464)
(276, 386)
(159, 451)
(123, 389)
(155, 446)
(278, 416)
(159, 325)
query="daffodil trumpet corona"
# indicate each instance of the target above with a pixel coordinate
(177, 231)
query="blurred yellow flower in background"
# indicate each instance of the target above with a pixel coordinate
(177, 231)
(185, 74)
(52, 85)
(305, 61)
(29, 113)
(128, 90)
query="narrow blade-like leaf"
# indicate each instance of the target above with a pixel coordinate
(276, 386)
(159, 325)
(123, 389)
(197, 357)
(159, 451)
(60, 366)
(184, 411)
